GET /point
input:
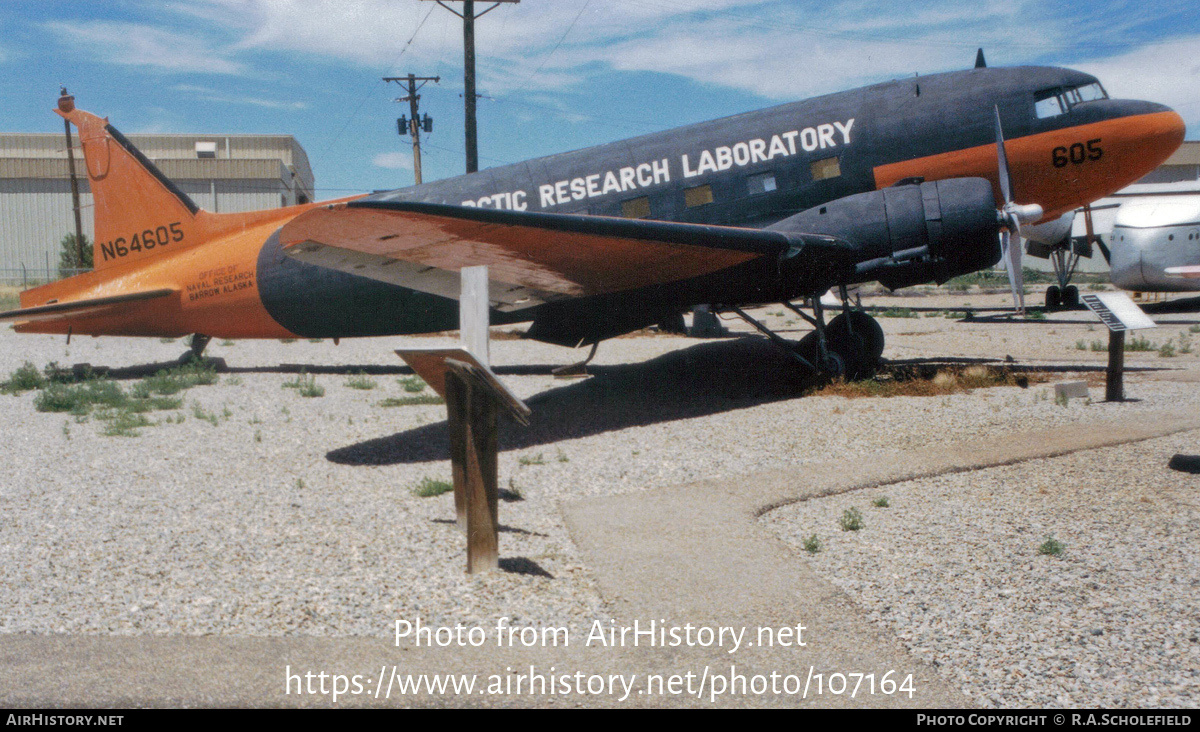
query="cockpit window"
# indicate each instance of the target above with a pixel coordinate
(1053, 102)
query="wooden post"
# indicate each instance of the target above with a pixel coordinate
(1114, 382)
(457, 415)
(473, 316)
(480, 487)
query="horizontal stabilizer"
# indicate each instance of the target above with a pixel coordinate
(74, 308)
(532, 258)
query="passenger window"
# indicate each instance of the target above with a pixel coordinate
(698, 196)
(826, 168)
(1047, 103)
(636, 208)
(761, 183)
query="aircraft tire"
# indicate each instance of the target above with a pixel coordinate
(857, 352)
(1070, 297)
(1053, 297)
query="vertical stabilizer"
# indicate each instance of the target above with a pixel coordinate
(139, 213)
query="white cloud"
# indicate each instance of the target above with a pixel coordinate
(135, 44)
(393, 161)
(211, 95)
(1168, 73)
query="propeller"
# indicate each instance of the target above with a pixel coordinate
(1012, 216)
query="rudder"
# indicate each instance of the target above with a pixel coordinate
(139, 213)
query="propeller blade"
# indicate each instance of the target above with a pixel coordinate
(1005, 182)
(1010, 247)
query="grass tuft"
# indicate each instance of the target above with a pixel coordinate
(360, 381)
(412, 384)
(812, 544)
(1051, 547)
(881, 502)
(411, 400)
(428, 487)
(851, 520)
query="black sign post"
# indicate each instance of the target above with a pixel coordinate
(1119, 314)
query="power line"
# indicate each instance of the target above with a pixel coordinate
(371, 92)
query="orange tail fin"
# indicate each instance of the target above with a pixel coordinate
(138, 211)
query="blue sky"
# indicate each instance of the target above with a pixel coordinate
(555, 74)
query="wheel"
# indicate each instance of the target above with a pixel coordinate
(867, 333)
(1053, 297)
(1070, 296)
(858, 349)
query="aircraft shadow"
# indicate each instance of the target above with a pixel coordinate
(707, 378)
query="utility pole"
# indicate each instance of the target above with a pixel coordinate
(66, 102)
(468, 15)
(414, 125)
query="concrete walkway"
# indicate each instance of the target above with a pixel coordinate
(684, 554)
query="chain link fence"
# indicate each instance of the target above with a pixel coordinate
(25, 277)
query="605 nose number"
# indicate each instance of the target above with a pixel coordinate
(1076, 154)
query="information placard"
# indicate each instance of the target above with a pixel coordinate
(1117, 311)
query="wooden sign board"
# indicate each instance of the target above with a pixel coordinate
(1117, 311)
(430, 365)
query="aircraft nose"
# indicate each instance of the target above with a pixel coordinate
(1154, 130)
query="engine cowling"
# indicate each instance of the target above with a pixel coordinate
(912, 233)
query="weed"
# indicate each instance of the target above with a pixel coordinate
(412, 384)
(316, 340)
(67, 430)
(851, 520)
(1035, 315)
(80, 398)
(26, 378)
(1194, 329)
(199, 413)
(299, 484)
(360, 381)
(812, 544)
(1098, 346)
(1166, 350)
(287, 340)
(534, 460)
(1061, 399)
(311, 388)
(411, 400)
(1051, 547)
(562, 457)
(258, 435)
(881, 502)
(228, 342)
(1081, 345)
(428, 487)
(166, 340)
(512, 493)
(175, 380)
(1185, 343)
(306, 384)
(1139, 343)
(234, 381)
(1097, 287)
(123, 423)
(898, 313)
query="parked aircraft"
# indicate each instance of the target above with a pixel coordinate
(1143, 232)
(903, 182)
(1155, 243)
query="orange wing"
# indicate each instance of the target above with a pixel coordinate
(532, 257)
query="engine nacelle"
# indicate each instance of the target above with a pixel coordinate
(914, 233)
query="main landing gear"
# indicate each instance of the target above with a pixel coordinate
(850, 345)
(1063, 295)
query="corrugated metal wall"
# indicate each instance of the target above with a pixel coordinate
(250, 173)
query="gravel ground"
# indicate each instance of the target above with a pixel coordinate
(953, 567)
(294, 515)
